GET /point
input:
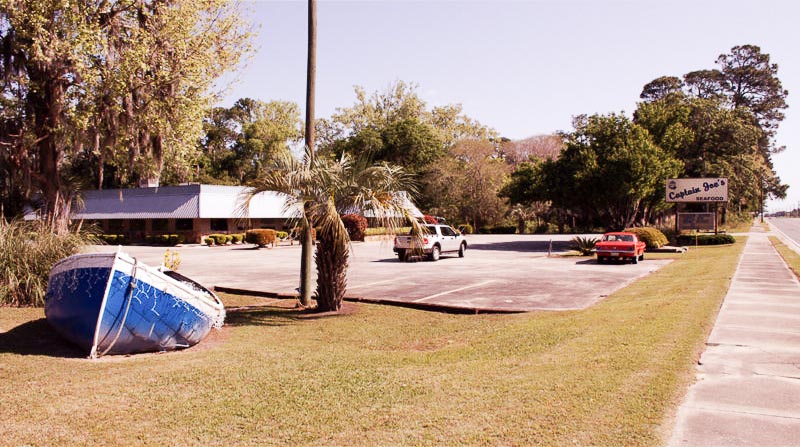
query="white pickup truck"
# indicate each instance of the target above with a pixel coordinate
(434, 240)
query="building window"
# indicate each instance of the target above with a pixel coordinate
(219, 224)
(184, 224)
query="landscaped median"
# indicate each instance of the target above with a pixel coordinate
(381, 375)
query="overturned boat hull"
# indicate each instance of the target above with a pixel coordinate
(109, 303)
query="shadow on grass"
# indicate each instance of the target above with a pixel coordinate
(37, 337)
(279, 316)
(523, 246)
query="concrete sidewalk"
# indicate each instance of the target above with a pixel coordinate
(748, 380)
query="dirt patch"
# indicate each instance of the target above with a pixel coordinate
(348, 308)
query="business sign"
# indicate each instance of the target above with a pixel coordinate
(697, 190)
(697, 221)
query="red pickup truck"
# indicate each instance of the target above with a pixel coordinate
(621, 246)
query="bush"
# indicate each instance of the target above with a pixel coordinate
(209, 241)
(466, 228)
(219, 239)
(110, 239)
(237, 238)
(705, 239)
(228, 238)
(356, 225)
(167, 240)
(653, 237)
(28, 250)
(113, 239)
(281, 235)
(584, 245)
(261, 237)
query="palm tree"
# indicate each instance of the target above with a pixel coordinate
(320, 190)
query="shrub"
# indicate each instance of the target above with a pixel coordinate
(28, 250)
(653, 237)
(281, 235)
(113, 239)
(705, 239)
(228, 238)
(209, 241)
(237, 238)
(110, 239)
(356, 225)
(584, 245)
(167, 240)
(219, 239)
(466, 228)
(261, 237)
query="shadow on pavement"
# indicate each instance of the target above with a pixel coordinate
(37, 337)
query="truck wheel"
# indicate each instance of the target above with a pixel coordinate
(641, 258)
(462, 250)
(635, 259)
(434, 256)
(601, 260)
(401, 255)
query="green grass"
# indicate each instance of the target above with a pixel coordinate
(381, 375)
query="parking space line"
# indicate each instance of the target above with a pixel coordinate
(454, 290)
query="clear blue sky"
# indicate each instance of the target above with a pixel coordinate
(521, 67)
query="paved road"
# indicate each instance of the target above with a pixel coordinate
(788, 229)
(509, 273)
(748, 381)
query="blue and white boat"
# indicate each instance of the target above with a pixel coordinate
(110, 303)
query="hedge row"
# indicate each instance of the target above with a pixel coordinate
(705, 239)
(222, 239)
(169, 240)
(114, 239)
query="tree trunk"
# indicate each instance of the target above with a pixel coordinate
(332, 261)
(48, 108)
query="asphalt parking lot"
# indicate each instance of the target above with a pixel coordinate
(500, 273)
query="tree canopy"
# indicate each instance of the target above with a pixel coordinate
(119, 84)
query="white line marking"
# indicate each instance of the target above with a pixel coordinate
(454, 290)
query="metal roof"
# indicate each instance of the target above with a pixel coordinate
(185, 202)
(179, 202)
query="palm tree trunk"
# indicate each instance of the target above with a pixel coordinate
(332, 261)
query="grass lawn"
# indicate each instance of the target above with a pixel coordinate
(380, 375)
